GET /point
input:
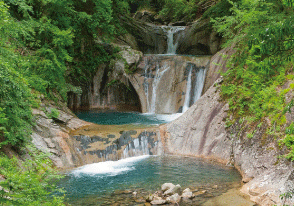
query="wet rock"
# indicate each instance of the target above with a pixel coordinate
(174, 198)
(140, 200)
(167, 186)
(208, 195)
(149, 198)
(120, 192)
(173, 190)
(246, 179)
(187, 193)
(187, 201)
(200, 193)
(145, 16)
(178, 23)
(158, 202)
(215, 187)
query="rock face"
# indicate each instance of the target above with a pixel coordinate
(217, 65)
(199, 39)
(72, 142)
(201, 132)
(52, 135)
(110, 87)
(161, 81)
(97, 143)
(148, 38)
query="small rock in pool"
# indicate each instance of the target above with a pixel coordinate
(158, 202)
(174, 198)
(167, 186)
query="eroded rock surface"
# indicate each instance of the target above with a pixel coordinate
(201, 132)
(165, 78)
(73, 142)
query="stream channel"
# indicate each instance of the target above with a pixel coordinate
(114, 182)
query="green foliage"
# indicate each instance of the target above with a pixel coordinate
(29, 183)
(15, 102)
(262, 35)
(175, 10)
(53, 114)
(220, 9)
(45, 47)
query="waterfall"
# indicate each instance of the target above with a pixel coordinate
(196, 86)
(171, 30)
(155, 84)
(188, 91)
(200, 78)
(137, 147)
(147, 76)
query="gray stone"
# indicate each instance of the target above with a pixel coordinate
(172, 190)
(167, 186)
(187, 193)
(210, 138)
(174, 198)
(158, 202)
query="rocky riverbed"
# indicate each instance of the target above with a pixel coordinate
(207, 195)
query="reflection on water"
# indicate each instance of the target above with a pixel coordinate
(112, 182)
(119, 118)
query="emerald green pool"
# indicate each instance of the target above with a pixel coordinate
(119, 118)
(112, 182)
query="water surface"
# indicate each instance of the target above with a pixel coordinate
(120, 118)
(112, 182)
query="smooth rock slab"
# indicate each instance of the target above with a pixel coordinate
(158, 202)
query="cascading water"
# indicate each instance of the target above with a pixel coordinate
(171, 30)
(147, 76)
(155, 84)
(188, 90)
(137, 147)
(191, 98)
(200, 78)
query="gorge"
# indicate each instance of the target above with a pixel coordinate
(169, 83)
(119, 96)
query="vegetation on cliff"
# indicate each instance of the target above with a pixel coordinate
(30, 182)
(50, 47)
(44, 46)
(261, 70)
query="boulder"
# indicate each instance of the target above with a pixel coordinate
(167, 186)
(187, 193)
(176, 198)
(158, 202)
(149, 198)
(172, 190)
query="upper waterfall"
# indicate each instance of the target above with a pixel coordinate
(171, 43)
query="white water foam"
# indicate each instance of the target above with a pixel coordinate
(109, 168)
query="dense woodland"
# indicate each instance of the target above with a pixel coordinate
(52, 47)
